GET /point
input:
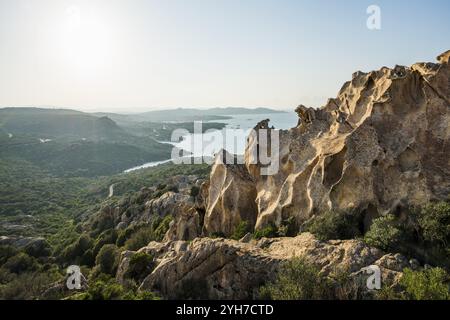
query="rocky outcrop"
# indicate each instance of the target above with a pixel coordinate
(379, 147)
(152, 203)
(228, 269)
(229, 198)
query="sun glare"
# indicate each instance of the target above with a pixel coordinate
(86, 41)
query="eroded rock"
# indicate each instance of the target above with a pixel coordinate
(229, 269)
(380, 146)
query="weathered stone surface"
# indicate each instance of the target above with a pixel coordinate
(380, 146)
(185, 226)
(231, 269)
(230, 197)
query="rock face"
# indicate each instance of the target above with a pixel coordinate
(230, 197)
(150, 203)
(228, 269)
(380, 146)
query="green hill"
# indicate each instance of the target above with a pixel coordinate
(72, 143)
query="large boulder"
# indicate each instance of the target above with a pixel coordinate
(229, 269)
(230, 199)
(381, 146)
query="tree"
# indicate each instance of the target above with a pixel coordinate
(107, 259)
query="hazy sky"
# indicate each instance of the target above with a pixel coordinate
(134, 55)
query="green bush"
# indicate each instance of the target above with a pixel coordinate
(297, 280)
(103, 221)
(141, 265)
(88, 258)
(140, 238)
(428, 284)
(142, 235)
(20, 263)
(38, 249)
(106, 237)
(434, 222)
(76, 250)
(195, 191)
(334, 226)
(106, 288)
(241, 230)
(7, 252)
(28, 285)
(107, 259)
(163, 226)
(383, 233)
(268, 232)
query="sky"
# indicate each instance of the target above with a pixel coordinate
(140, 55)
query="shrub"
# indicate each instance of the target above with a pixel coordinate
(106, 288)
(288, 228)
(241, 230)
(77, 249)
(88, 258)
(21, 262)
(141, 265)
(427, 284)
(146, 233)
(106, 237)
(7, 252)
(163, 226)
(103, 221)
(146, 295)
(28, 285)
(215, 235)
(38, 249)
(334, 226)
(268, 232)
(297, 280)
(140, 238)
(195, 191)
(383, 233)
(107, 259)
(434, 222)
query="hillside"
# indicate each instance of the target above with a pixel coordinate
(363, 184)
(72, 143)
(57, 123)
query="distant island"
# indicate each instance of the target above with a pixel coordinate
(186, 114)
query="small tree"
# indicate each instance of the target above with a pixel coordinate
(268, 232)
(195, 191)
(333, 226)
(241, 230)
(428, 284)
(141, 264)
(297, 280)
(383, 233)
(434, 222)
(107, 259)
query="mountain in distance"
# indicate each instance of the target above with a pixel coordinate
(73, 143)
(57, 123)
(186, 114)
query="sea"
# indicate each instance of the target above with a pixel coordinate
(232, 138)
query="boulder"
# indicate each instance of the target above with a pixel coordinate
(379, 147)
(229, 269)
